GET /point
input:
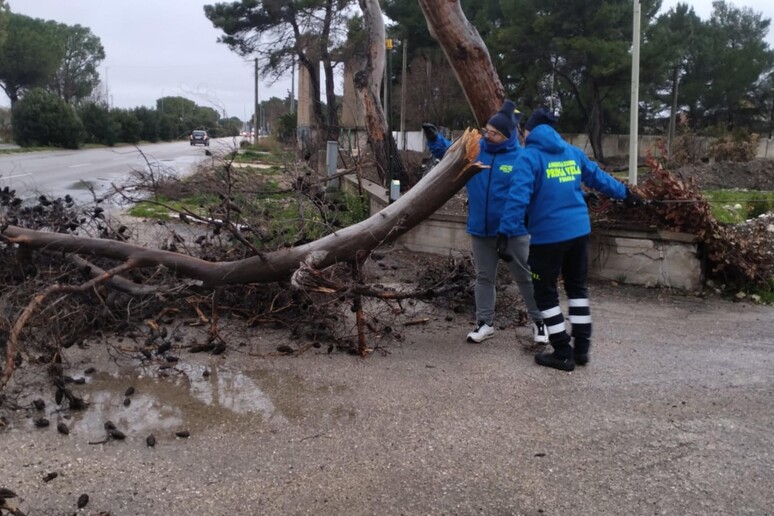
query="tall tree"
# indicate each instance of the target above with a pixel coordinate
(30, 56)
(467, 54)
(726, 68)
(432, 91)
(559, 46)
(78, 74)
(669, 42)
(766, 101)
(367, 81)
(281, 32)
(3, 22)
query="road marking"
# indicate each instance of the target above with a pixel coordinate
(17, 175)
(81, 165)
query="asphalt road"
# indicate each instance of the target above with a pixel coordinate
(674, 415)
(59, 172)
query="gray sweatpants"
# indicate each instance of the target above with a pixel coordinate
(486, 262)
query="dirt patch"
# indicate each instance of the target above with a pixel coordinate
(753, 175)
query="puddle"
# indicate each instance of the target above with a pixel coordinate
(199, 393)
(81, 185)
(185, 399)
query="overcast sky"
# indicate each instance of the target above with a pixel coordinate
(158, 48)
(168, 47)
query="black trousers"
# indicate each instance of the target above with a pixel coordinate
(570, 259)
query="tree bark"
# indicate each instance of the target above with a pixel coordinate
(367, 81)
(596, 123)
(311, 50)
(445, 179)
(467, 55)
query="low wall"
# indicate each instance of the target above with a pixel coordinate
(649, 258)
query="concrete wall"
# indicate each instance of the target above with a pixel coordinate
(657, 258)
(653, 258)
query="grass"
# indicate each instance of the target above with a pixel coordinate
(268, 151)
(766, 294)
(735, 206)
(22, 150)
(302, 219)
(152, 210)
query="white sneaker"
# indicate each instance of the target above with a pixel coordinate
(481, 333)
(540, 332)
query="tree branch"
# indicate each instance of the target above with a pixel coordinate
(437, 187)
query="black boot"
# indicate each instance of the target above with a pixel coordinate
(561, 358)
(582, 351)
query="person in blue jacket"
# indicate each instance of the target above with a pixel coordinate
(487, 193)
(546, 190)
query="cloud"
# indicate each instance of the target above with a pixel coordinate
(161, 47)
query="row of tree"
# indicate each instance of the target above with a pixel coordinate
(547, 52)
(36, 53)
(49, 71)
(41, 118)
(720, 72)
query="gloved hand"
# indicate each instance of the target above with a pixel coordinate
(591, 198)
(632, 199)
(502, 248)
(431, 132)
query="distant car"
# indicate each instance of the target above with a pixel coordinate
(199, 136)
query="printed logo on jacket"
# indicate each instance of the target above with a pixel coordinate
(564, 171)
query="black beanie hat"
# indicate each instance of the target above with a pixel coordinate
(541, 116)
(505, 119)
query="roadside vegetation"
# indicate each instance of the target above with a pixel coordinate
(273, 200)
(735, 206)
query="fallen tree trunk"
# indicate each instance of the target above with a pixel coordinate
(445, 180)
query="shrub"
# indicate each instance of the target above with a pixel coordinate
(5, 124)
(98, 125)
(149, 118)
(735, 147)
(43, 119)
(131, 126)
(285, 127)
(689, 148)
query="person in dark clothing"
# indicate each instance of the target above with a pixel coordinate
(487, 193)
(546, 188)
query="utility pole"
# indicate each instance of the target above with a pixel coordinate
(403, 96)
(394, 185)
(388, 43)
(255, 111)
(293, 86)
(673, 114)
(633, 115)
